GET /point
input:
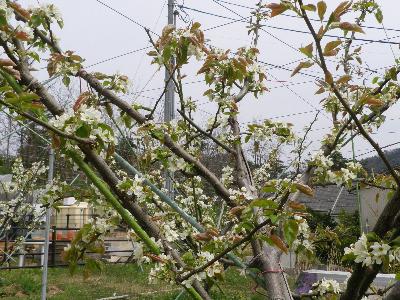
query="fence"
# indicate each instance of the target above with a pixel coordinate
(31, 254)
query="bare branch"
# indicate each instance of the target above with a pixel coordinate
(210, 136)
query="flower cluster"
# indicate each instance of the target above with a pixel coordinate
(323, 166)
(5, 9)
(85, 122)
(180, 44)
(118, 83)
(325, 286)
(227, 176)
(25, 199)
(302, 241)
(369, 253)
(162, 269)
(240, 196)
(64, 64)
(222, 70)
(321, 162)
(133, 186)
(45, 14)
(269, 129)
(345, 175)
(214, 270)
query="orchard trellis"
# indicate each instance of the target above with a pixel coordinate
(189, 240)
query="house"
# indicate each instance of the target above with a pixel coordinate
(331, 199)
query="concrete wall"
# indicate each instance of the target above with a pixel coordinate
(373, 201)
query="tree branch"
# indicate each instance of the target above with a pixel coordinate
(210, 136)
(226, 251)
(343, 101)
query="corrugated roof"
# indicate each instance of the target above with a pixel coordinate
(325, 197)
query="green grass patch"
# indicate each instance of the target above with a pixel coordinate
(114, 279)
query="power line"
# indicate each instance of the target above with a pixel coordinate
(117, 56)
(301, 97)
(297, 17)
(126, 17)
(290, 29)
(383, 147)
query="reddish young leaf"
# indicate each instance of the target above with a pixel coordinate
(321, 6)
(343, 79)
(328, 78)
(203, 236)
(279, 243)
(23, 36)
(350, 27)
(7, 62)
(372, 101)
(81, 100)
(305, 189)
(237, 210)
(331, 46)
(302, 65)
(276, 8)
(18, 8)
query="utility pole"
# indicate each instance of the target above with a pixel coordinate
(50, 176)
(169, 105)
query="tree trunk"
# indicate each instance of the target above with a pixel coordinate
(269, 261)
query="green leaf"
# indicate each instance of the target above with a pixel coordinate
(36, 20)
(158, 133)
(321, 6)
(290, 230)
(309, 7)
(397, 277)
(34, 55)
(379, 16)
(195, 26)
(83, 131)
(3, 20)
(266, 203)
(307, 50)
(269, 189)
(350, 257)
(127, 120)
(395, 242)
(372, 237)
(66, 80)
(392, 73)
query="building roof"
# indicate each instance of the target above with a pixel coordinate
(325, 198)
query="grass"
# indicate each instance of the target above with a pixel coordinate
(114, 279)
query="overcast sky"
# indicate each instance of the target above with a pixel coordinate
(97, 33)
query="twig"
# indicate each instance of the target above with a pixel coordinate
(300, 152)
(150, 115)
(205, 133)
(226, 251)
(47, 126)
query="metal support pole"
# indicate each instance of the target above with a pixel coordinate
(169, 107)
(53, 246)
(47, 230)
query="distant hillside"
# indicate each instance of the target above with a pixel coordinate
(376, 165)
